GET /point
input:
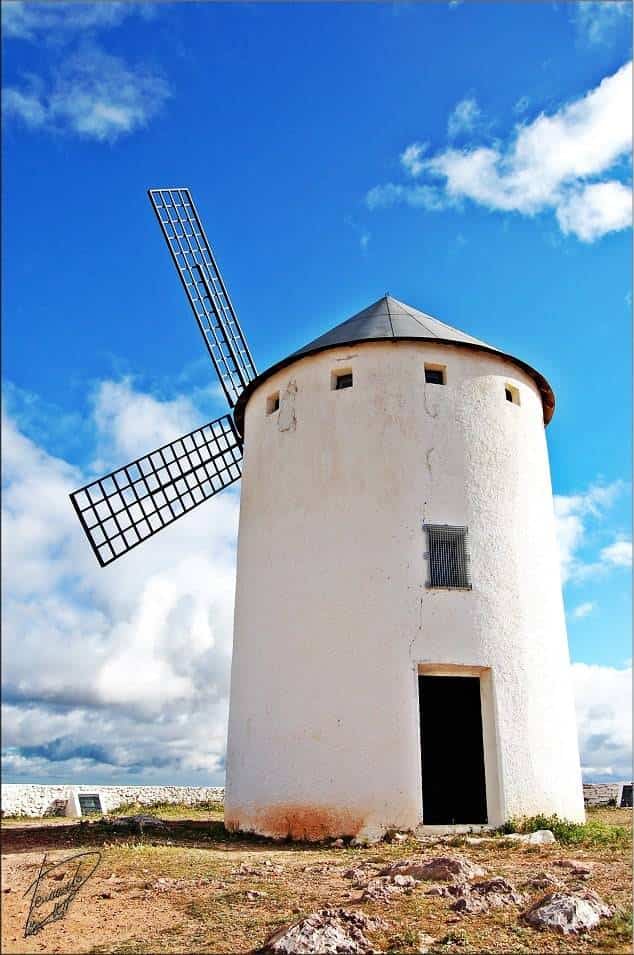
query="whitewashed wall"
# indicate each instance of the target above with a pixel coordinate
(32, 800)
(333, 620)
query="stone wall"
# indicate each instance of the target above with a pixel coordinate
(20, 799)
(31, 800)
(603, 794)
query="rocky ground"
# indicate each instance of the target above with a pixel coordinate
(188, 886)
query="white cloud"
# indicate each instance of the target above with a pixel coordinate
(583, 610)
(93, 95)
(521, 105)
(37, 21)
(604, 720)
(572, 515)
(464, 118)
(418, 196)
(598, 21)
(128, 422)
(411, 158)
(363, 234)
(555, 162)
(595, 210)
(122, 670)
(25, 105)
(619, 554)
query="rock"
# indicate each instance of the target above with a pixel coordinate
(393, 835)
(404, 881)
(253, 896)
(482, 896)
(338, 844)
(356, 874)
(542, 837)
(543, 881)
(138, 823)
(267, 868)
(440, 869)
(425, 942)
(327, 932)
(581, 869)
(566, 913)
(385, 887)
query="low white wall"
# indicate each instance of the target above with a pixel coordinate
(20, 799)
(603, 794)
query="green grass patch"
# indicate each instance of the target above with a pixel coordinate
(168, 810)
(592, 833)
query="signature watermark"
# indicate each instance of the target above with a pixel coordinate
(55, 888)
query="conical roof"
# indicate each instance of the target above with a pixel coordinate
(388, 318)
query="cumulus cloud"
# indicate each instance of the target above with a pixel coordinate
(557, 162)
(573, 514)
(113, 673)
(464, 118)
(93, 95)
(603, 698)
(619, 554)
(595, 210)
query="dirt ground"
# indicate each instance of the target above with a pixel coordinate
(186, 890)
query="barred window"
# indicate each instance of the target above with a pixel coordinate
(447, 557)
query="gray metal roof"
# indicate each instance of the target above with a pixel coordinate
(388, 318)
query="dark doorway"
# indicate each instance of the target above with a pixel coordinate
(452, 751)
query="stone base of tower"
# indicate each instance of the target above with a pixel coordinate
(313, 823)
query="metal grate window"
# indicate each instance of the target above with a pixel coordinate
(447, 557)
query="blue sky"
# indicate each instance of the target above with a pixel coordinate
(471, 159)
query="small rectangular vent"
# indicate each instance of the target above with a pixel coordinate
(343, 381)
(447, 557)
(435, 374)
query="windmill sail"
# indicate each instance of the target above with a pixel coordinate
(123, 508)
(205, 289)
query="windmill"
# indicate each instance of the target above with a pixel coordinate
(125, 507)
(400, 650)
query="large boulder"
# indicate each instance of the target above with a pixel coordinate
(327, 932)
(440, 869)
(475, 897)
(567, 913)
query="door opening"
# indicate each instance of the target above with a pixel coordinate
(454, 788)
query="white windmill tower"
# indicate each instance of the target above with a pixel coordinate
(400, 652)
